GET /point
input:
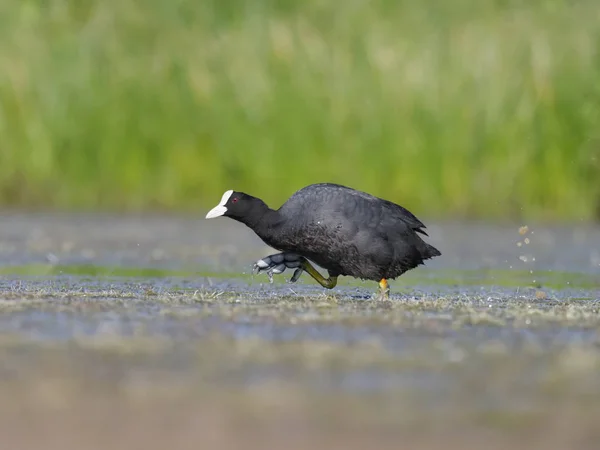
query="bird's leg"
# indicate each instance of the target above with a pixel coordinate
(328, 283)
(384, 289)
(277, 263)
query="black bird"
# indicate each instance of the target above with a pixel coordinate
(343, 230)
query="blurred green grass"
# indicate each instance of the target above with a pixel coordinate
(456, 108)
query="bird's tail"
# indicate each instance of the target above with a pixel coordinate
(429, 251)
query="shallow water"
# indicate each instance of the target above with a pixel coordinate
(499, 334)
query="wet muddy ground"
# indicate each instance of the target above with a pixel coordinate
(151, 332)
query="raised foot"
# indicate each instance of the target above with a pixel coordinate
(278, 263)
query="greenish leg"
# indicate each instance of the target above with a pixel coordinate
(384, 289)
(328, 283)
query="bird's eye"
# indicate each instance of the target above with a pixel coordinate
(234, 200)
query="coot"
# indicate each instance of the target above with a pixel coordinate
(343, 230)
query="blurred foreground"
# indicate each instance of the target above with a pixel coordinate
(149, 332)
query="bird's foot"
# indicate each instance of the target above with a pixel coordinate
(384, 290)
(277, 263)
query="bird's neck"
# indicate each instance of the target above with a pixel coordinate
(262, 220)
(267, 225)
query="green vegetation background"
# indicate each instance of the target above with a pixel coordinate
(453, 108)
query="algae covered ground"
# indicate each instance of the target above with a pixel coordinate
(131, 332)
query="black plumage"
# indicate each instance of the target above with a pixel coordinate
(343, 230)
